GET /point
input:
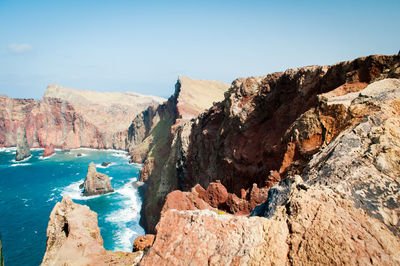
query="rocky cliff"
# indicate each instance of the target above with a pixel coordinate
(68, 118)
(266, 128)
(157, 136)
(343, 208)
(73, 238)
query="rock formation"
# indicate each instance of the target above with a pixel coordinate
(143, 242)
(265, 129)
(48, 150)
(96, 183)
(156, 136)
(73, 238)
(23, 150)
(343, 209)
(69, 118)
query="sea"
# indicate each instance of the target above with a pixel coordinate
(29, 190)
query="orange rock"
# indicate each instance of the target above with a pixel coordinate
(48, 150)
(142, 242)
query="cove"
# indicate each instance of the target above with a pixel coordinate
(30, 189)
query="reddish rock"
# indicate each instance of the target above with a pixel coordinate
(238, 206)
(48, 150)
(216, 194)
(142, 242)
(258, 196)
(178, 200)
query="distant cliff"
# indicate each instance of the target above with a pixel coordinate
(69, 118)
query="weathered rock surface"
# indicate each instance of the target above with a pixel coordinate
(143, 242)
(266, 128)
(48, 150)
(159, 135)
(73, 238)
(346, 211)
(69, 118)
(96, 183)
(23, 150)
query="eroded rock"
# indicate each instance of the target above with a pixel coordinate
(23, 150)
(143, 242)
(48, 150)
(73, 238)
(96, 183)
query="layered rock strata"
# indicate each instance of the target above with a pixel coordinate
(23, 149)
(265, 129)
(96, 183)
(73, 238)
(342, 209)
(68, 118)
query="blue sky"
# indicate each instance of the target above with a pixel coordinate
(143, 46)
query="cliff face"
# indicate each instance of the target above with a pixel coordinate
(265, 129)
(159, 136)
(342, 209)
(70, 118)
(73, 238)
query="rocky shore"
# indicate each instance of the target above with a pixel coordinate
(297, 167)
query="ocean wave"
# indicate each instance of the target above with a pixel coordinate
(98, 165)
(24, 160)
(120, 154)
(9, 149)
(124, 239)
(20, 164)
(45, 158)
(74, 192)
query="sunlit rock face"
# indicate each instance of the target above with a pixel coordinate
(73, 238)
(265, 129)
(342, 209)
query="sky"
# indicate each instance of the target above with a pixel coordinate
(143, 46)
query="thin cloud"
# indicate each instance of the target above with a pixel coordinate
(19, 48)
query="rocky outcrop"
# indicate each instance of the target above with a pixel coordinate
(266, 128)
(23, 150)
(143, 242)
(96, 183)
(69, 118)
(48, 150)
(158, 136)
(73, 238)
(342, 209)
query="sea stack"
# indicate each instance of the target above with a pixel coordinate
(96, 183)
(48, 150)
(22, 146)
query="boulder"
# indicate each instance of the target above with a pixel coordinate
(23, 150)
(105, 164)
(48, 150)
(143, 242)
(96, 183)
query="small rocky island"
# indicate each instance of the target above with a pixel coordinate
(23, 150)
(96, 183)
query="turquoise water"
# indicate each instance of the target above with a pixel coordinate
(30, 189)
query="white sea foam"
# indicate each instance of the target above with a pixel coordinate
(126, 214)
(8, 149)
(24, 160)
(45, 158)
(100, 166)
(74, 192)
(120, 154)
(20, 164)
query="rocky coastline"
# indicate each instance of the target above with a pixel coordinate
(296, 167)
